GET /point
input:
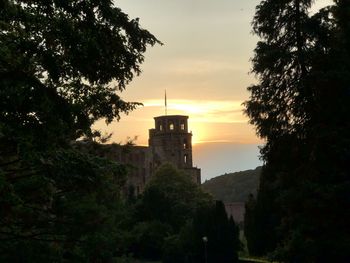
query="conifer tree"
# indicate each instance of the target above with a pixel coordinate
(300, 107)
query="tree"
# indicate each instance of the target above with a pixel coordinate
(172, 217)
(169, 202)
(172, 197)
(148, 239)
(252, 230)
(62, 63)
(61, 66)
(62, 210)
(211, 235)
(221, 232)
(278, 104)
(299, 107)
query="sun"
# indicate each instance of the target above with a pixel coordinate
(205, 117)
(200, 132)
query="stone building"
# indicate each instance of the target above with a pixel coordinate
(169, 142)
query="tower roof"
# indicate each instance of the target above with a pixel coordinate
(171, 117)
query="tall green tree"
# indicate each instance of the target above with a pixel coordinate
(209, 237)
(172, 217)
(170, 200)
(300, 107)
(62, 66)
(172, 197)
(277, 106)
(222, 235)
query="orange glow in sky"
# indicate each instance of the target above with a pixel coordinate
(208, 118)
(209, 121)
(204, 66)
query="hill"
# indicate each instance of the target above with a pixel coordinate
(234, 187)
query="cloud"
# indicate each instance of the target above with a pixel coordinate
(213, 111)
(195, 66)
(213, 141)
(212, 121)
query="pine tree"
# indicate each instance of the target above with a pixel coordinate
(300, 107)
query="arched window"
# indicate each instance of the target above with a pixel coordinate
(185, 158)
(171, 126)
(182, 126)
(185, 144)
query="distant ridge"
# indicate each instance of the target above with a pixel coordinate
(234, 187)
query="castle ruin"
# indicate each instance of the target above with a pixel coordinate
(169, 142)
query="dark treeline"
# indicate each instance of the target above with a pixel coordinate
(62, 64)
(301, 107)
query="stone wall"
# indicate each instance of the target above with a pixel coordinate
(169, 142)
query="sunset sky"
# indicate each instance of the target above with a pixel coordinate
(204, 67)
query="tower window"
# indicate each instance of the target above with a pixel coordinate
(185, 145)
(160, 127)
(185, 158)
(171, 126)
(182, 126)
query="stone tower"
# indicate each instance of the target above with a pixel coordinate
(170, 142)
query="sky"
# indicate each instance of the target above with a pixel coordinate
(204, 66)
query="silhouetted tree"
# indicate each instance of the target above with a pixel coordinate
(62, 63)
(301, 108)
(251, 228)
(169, 202)
(61, 66)
(172, 217)
(172, 197)
(221, 233)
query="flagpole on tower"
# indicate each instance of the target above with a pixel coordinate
(166, 106)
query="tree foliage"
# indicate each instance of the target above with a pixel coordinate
(211, 236)
(62, 208)
(301, 108)
(62, 65)
(169, 201)
(174, 215)
(171, 197)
